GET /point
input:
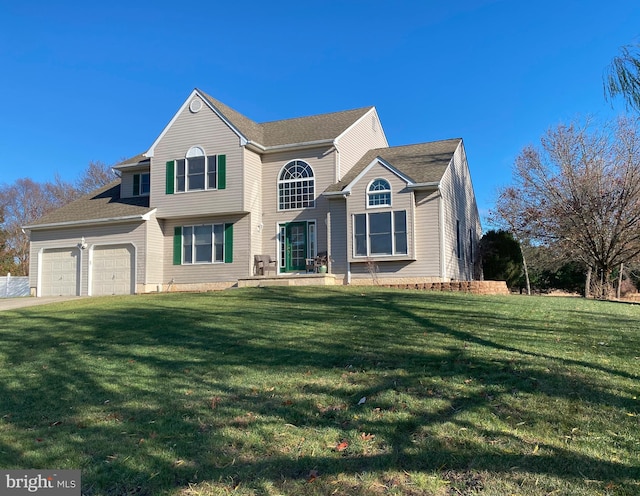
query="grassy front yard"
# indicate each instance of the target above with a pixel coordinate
(314, 391)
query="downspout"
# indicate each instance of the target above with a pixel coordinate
(442, 239)
(328, 224)
(338, 164)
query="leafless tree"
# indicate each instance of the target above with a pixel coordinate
(25, 201)
(7, 263)
(96, 175)
(22, 203)
(580, 190)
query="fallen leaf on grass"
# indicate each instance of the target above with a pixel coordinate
(536, 449)
(367, 437)
(342, 446)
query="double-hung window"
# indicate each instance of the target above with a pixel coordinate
(380, 233)
(141, 184)
(202, 244)
(196, 172)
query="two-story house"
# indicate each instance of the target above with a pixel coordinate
(215, 189)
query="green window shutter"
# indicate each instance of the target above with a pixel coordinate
(177, 245)
(228, 243)
(136, 184)
(222, 171)
(170, 177)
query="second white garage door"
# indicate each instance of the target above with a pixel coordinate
(112, 270)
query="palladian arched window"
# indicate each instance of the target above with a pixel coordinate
(296, 186)
(379, 193)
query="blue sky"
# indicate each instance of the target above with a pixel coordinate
(89, 81)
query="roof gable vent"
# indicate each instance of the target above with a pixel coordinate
(195, 105)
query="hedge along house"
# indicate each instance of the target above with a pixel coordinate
(216, 189)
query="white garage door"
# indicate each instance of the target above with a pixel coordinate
(60, 272)
(112, 270)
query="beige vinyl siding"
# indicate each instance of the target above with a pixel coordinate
(379, 270)
(427, 233)
(210, 272)
(126, 185)
(97, 235)
(253, 200)
(155, 252)
(322, 161)
(363, 136)
(459, 205)
(126, 181)
(206, 130)
(338, 249)
(401, 199)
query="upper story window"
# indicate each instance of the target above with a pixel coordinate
(296, 186)
(197, 171)
(379, 193)
(141, 184)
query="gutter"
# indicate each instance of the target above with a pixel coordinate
(430, 185)
(106, 220)
(141, 165)
(336, 194)
(293, 146)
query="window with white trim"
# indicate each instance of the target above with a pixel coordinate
(203, 244)
(379, 234)
(196, 171)
(296, 186)
(141, 184)
(379, 193)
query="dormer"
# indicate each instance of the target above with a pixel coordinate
(135, 176)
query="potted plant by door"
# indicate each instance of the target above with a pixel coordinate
(322, 269)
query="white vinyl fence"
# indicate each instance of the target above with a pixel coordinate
(13, 286)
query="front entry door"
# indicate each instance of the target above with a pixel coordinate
(295, 246)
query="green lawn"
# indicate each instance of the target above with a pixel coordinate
(257, 391)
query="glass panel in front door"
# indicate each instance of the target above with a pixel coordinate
(296, 246)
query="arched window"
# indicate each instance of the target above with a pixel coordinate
(379, 193)
(196, 171)
(296, 186)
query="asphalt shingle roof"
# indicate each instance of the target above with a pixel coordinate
(139, 159)
(290, 131)
(104, 203)
(422, 163)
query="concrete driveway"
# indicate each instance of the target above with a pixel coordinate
(29, 301)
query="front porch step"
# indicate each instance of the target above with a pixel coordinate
(288, 280)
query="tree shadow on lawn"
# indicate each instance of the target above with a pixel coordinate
(149, 396)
